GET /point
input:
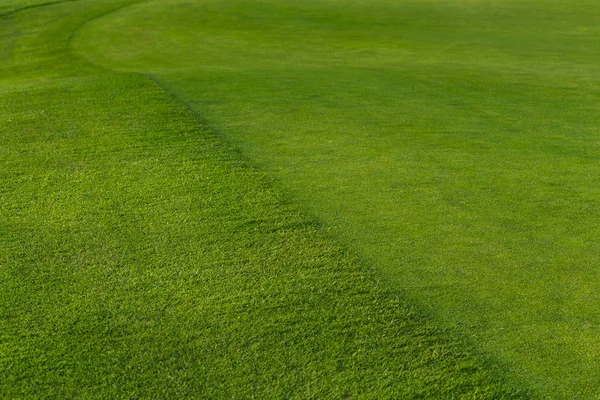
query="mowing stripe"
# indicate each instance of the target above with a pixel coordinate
(143, 257)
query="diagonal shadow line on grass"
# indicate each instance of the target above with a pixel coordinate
(202, 124)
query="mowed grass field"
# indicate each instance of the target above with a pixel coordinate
(452, 145)
(143, 256)
(310, 199)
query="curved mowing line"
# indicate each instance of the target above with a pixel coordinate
(69, 45)
(479, 233)
(18, 10)
(292, 304)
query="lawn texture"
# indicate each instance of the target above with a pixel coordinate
(142, 256)
(452, 144)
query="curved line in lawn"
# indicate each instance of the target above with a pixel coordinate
(21, 9)
(69, 44)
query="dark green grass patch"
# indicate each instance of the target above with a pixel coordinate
(140, 257)
(452, 144)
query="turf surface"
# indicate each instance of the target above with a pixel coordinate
(452, 144)
(141, 256)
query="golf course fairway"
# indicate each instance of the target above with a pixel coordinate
(453, 145)
(299, 199)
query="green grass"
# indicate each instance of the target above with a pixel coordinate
(141, 256)
(452, 144)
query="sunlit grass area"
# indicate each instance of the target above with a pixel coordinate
(144, 253)
(451, 145)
